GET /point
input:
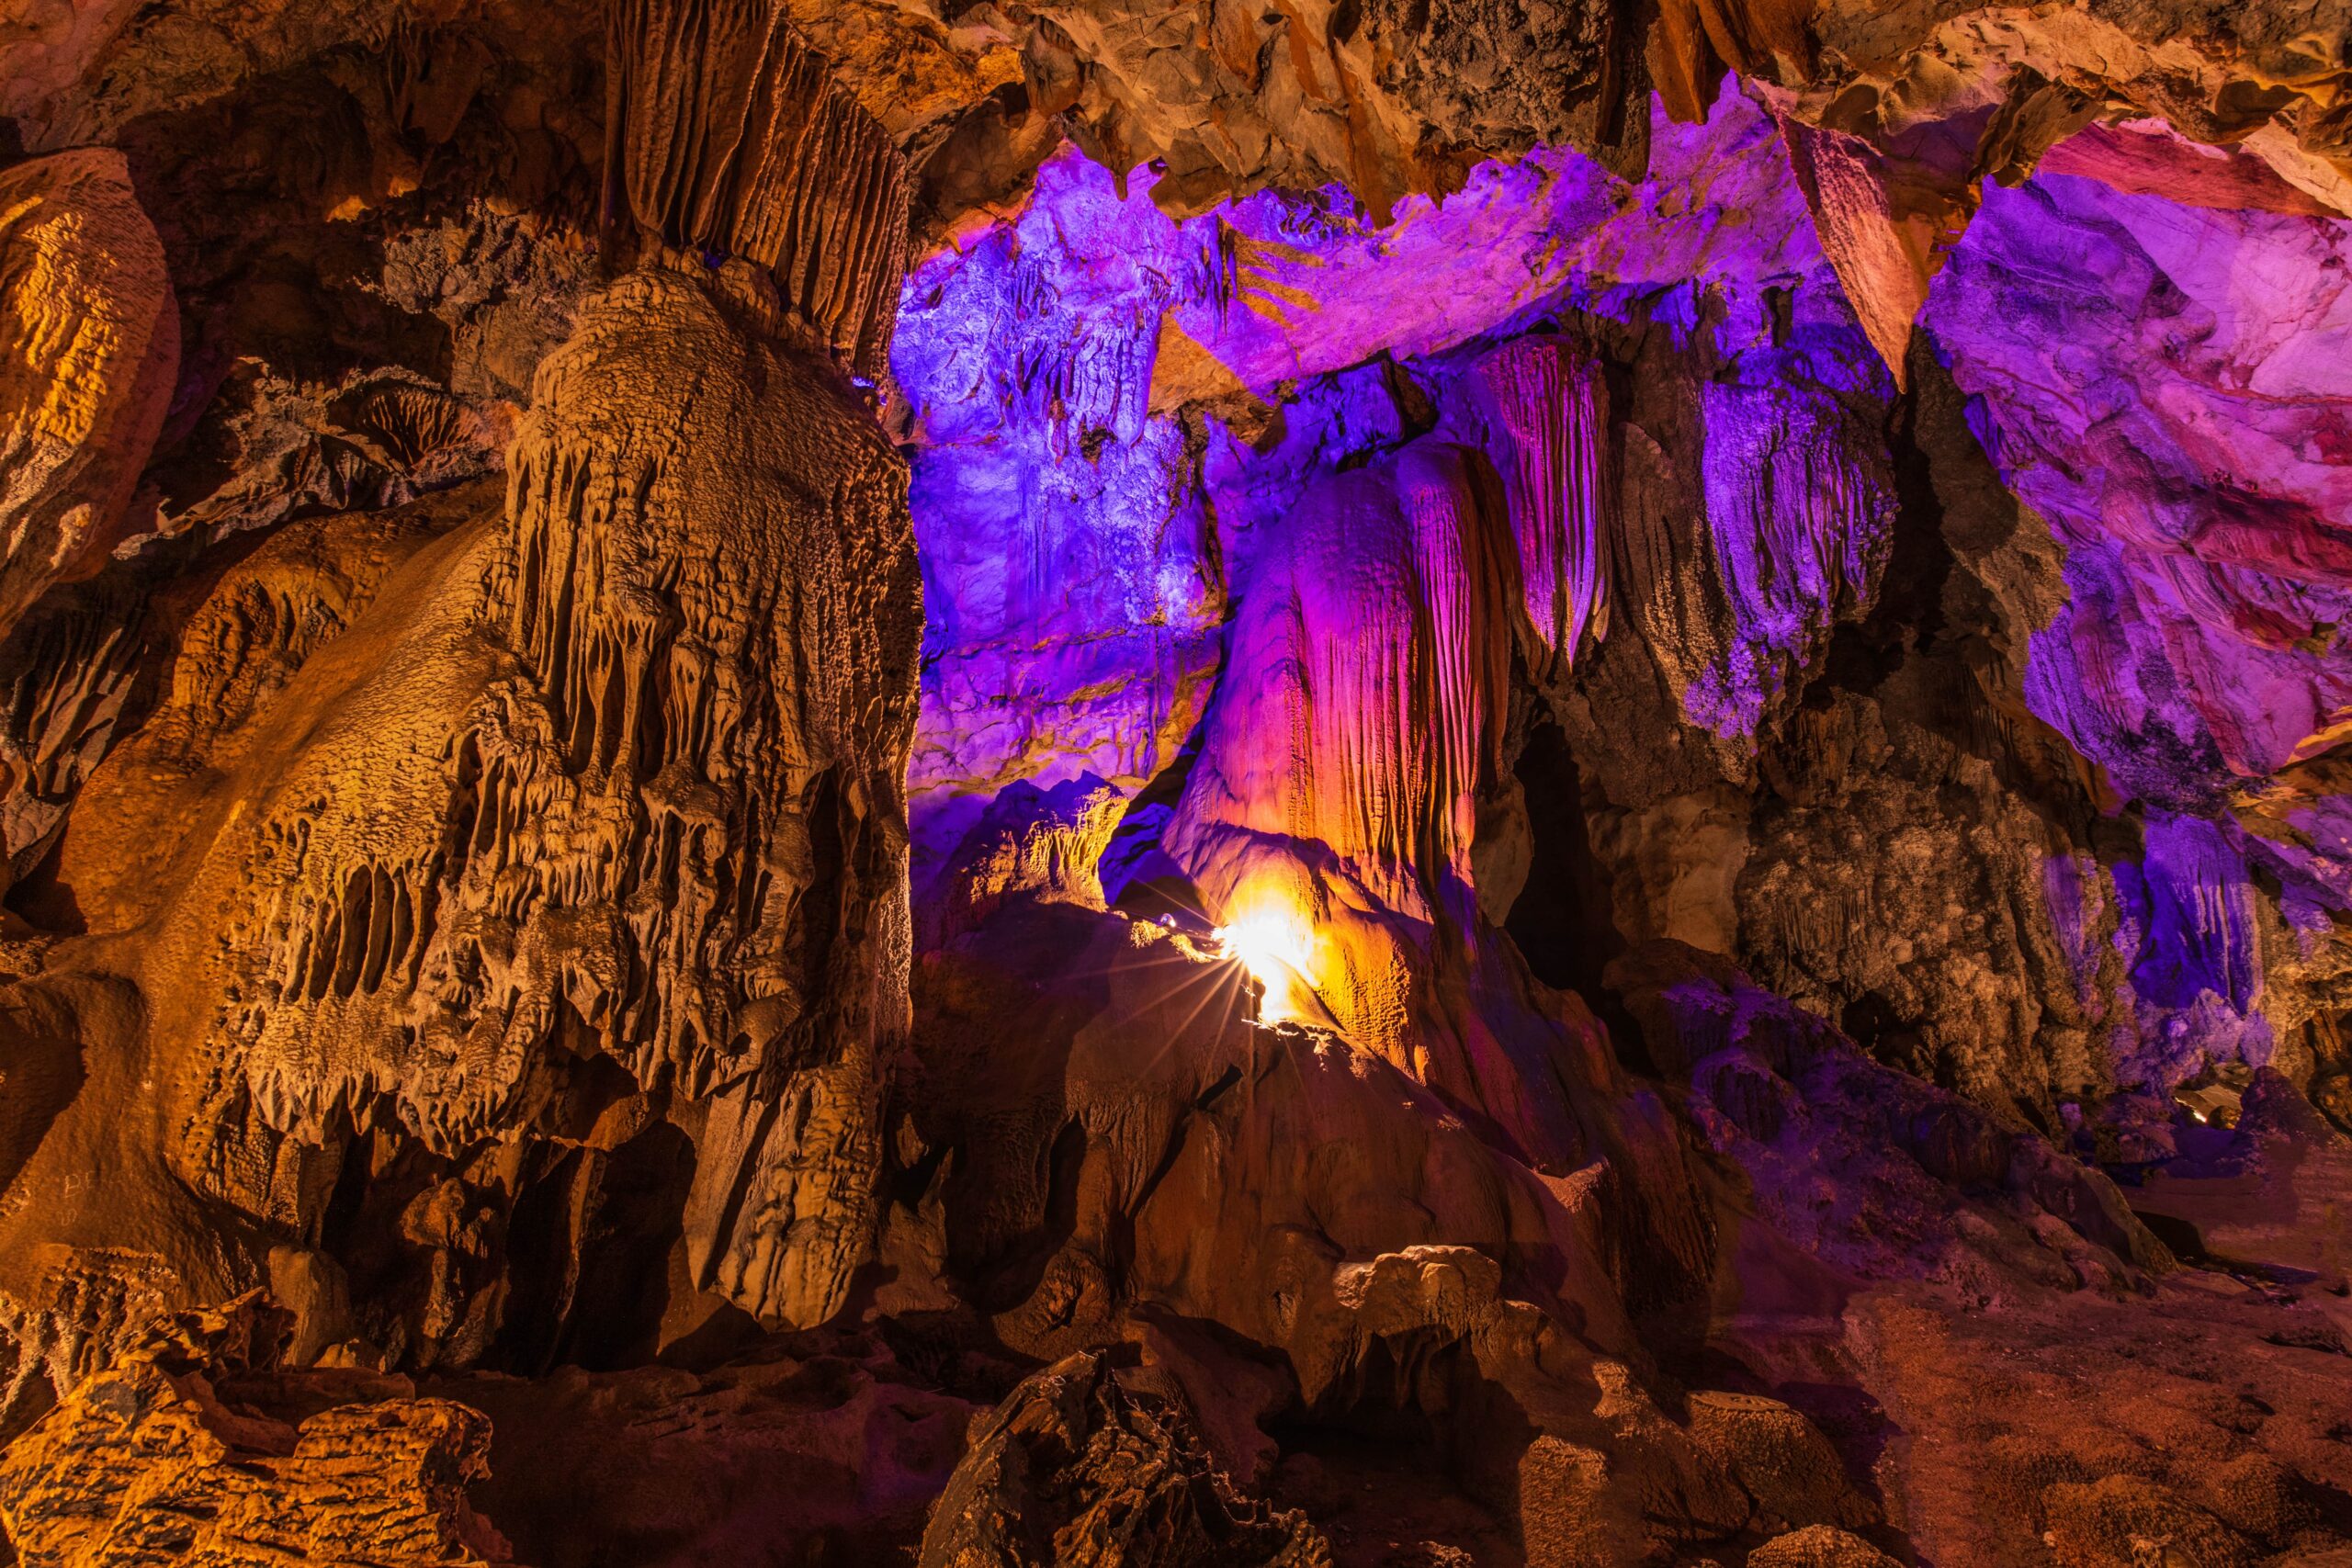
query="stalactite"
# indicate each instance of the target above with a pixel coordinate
(728, 136)
(1335, 803)
(1799, 522)
(2195, 908)
(1554, 403)
(1384, 660)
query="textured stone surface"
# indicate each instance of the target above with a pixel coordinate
(161, 1457)
(727, 135)
(90, 336)
(1818, 1546)
(539, 678)
(1073, 1468)
(802, 1444)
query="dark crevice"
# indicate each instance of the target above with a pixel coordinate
(1563, 920)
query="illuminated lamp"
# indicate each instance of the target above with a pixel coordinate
(1277, 944)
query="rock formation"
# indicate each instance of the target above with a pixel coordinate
(1334, 783)
(195, 1447)
(1073, 1468)
(537, 824)
(93, 349)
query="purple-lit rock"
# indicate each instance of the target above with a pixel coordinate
(2166, 388)
(1080, 539)
(1070, 578)
(2169, 387)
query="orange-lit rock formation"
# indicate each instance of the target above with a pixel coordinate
(92, 348)
(194, 1446)
(544, 824)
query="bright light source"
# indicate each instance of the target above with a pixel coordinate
(1276, 945)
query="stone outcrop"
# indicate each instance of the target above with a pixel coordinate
(605, 711)
(1075, 1467)
(1779, 1092)
(192, 1447)
(545, 680)
(814, 1444)
(494, 824)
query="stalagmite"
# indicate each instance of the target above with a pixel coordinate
(1077, 1468)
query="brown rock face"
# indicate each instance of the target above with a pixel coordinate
(813, 1445)
(549, 820)
(604, 809)
(89, 337)
(1074, 1468)
(580, 823)
(1818, 1546)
